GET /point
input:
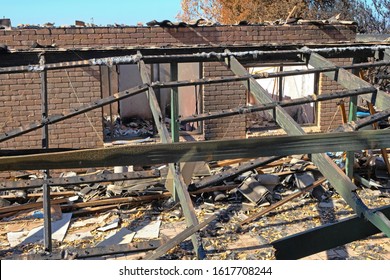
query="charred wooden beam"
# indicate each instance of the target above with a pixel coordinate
(360, 123)
(350, 81)
(121, 95)
(160, 251)
(186, 55)
(283, 201)
(233, 172)
(86, 253)
(45, 145)
(202, 151)
(107, 61)
(269, 106)
(28, 206)
(114, 201)
(180, 188)
(326, 237)
(23, 152)
(76, 180)
(328, 168)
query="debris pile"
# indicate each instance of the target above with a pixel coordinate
(127, 128)
(124, 214)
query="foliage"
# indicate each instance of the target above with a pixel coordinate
(372, 15)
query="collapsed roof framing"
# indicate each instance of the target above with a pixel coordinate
(170, 151)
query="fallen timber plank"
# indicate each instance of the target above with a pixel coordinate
(114, 200)
(28, 206)
(179, 189)
(12, 196)
(74, 180)
(233, 172)
(202, 151)
(92, 210)
(326, 237)
(73, 253)
(327, 167)
(159, 252)
(97, 205)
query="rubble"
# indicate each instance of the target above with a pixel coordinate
(127, 129)
(93, 218)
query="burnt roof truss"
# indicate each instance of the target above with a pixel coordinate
(346, 137)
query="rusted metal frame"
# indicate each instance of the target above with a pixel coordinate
(86, 253)
(356, 49)
(72, 113)
(326, 237)
(206, 81)
(269, 106)
(255, 54)
(23, 152)
(204, 56)
(23, 57)
(160, 251)
(134, 59)
(349, 81)
(180, 188)
(76, 180)
(202, 151)
(108, 61)
(283, 201)
(353, 126)
(327, 167)
(124, 94)
(45, 145)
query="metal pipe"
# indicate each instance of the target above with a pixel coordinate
(45, 145)
(202, 56)
(268, 106)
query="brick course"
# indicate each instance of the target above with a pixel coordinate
(20, 93)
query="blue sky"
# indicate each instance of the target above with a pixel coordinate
(103, 12)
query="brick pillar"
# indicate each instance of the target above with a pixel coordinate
(224, 96)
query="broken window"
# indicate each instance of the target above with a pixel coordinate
(284, 88)
(132, 117)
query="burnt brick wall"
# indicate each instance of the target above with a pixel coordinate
(21, 105)
(222, 97)
(20, 93)
(158, 36)
(330, 113)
